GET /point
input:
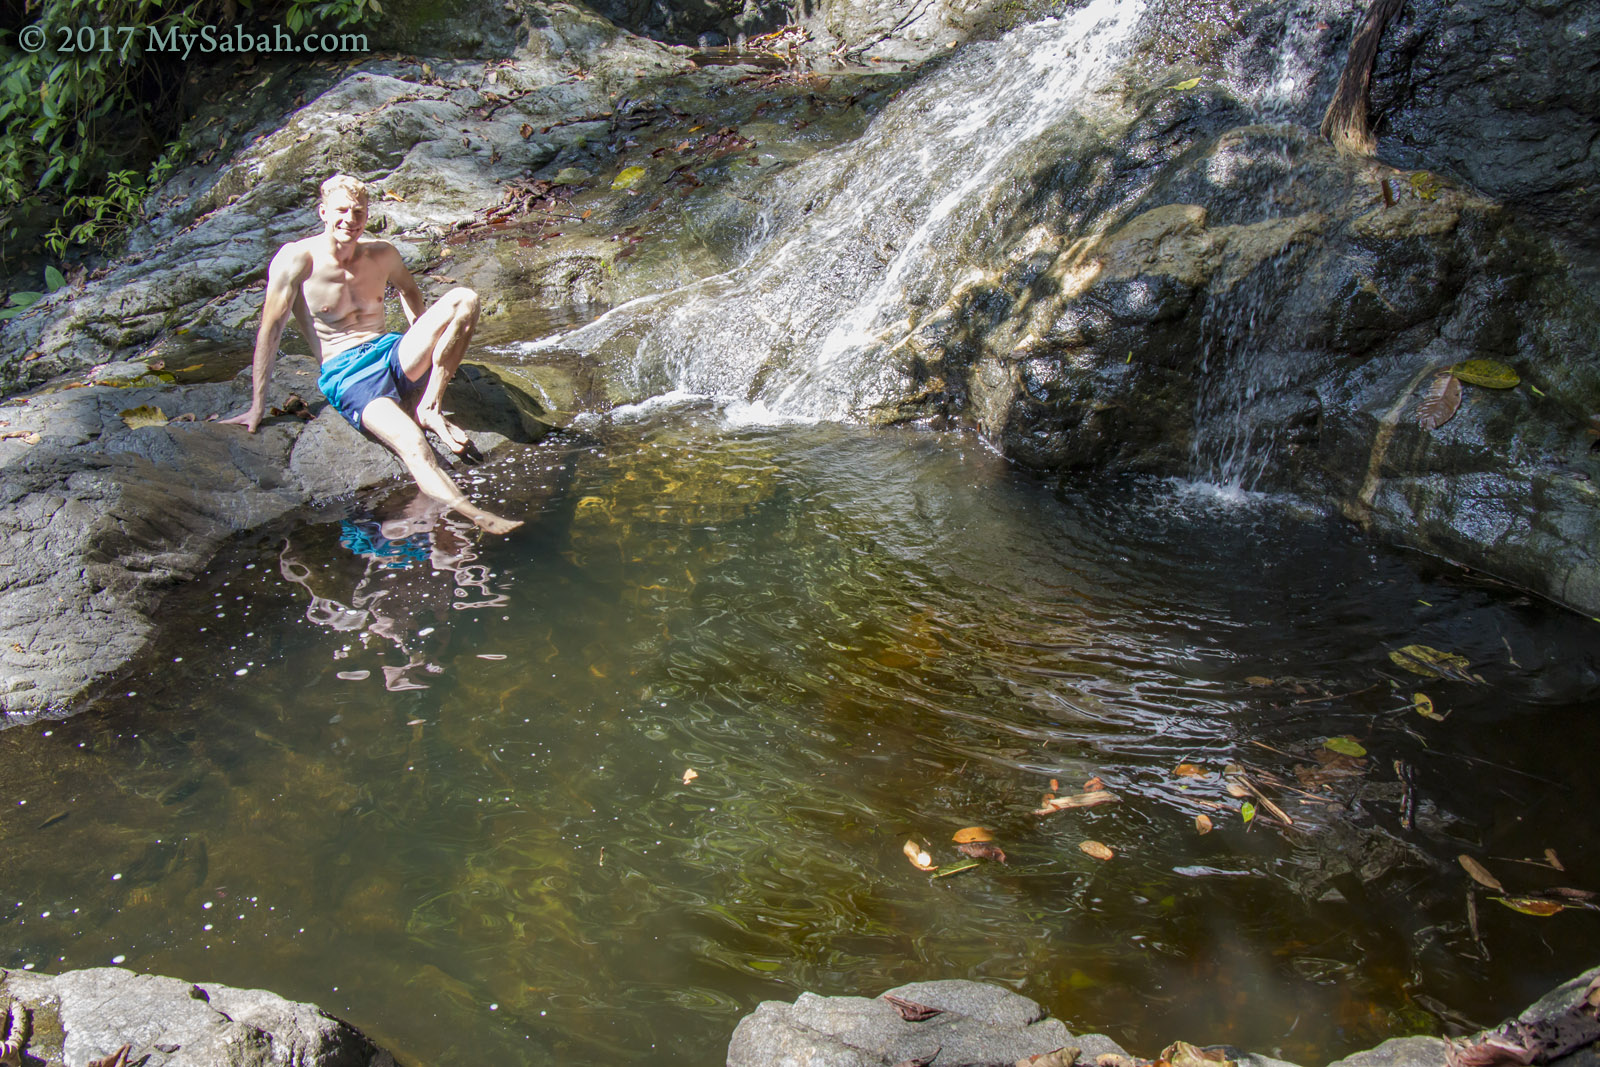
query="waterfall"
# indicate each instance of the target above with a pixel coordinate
(875, 232)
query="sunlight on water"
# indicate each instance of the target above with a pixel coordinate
(437, 783)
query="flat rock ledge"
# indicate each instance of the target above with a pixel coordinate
(83, 1015)
(982, 1025)
(100, 517)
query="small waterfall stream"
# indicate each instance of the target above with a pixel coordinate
(803, 325)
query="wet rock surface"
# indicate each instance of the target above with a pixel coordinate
(99, 518)
(74, 1017)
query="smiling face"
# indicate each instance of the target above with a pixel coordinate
(344, 215)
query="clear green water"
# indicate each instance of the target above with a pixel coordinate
(852, 638)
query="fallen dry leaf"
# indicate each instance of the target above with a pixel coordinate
(1183, 1054)
(1188, 770)
(1095, 849)
(1440, 402)
(910, 1010)
(1480, 873)
(971, 833)
(143, 416)
(1065, 1056)
(1550, 858)
(1532, 906)
(1093, 785)
(1202, 823)
(690, 775)
(1077, 800)
(919, 857)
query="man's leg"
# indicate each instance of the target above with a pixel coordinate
(389, 423)
(433, 346)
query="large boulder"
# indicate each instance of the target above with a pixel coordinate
(975, 1024)
(100, 517)
(74, 1017)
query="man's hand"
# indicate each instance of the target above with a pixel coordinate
(249, 419)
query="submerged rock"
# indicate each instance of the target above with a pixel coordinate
(82, 1015)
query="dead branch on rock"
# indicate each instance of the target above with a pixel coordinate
(1345, 122)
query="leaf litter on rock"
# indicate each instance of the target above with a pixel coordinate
(910, 1010)
(1440, 403)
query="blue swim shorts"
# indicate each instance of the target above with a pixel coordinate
(357, 376)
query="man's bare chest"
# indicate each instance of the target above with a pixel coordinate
(334, 291)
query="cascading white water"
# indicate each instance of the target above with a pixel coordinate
(803, 324)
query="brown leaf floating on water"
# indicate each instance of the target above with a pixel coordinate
(971, 833)
(1188, 770)
(910, 1010)
(1077, 800)
(1095, 849)
(1440, 403)
(1202, 824)
(1480, 873)
(981, 850)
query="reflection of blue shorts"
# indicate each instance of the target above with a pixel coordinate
(357, 376)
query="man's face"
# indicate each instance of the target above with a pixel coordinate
(344, 216)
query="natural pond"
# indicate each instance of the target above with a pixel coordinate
(439, 784)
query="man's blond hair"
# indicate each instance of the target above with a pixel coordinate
(355, 188)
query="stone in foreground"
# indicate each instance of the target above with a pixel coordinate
(978, 1024)
(84, 1015)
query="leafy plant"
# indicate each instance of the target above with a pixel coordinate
(20, 302)
(80, 126)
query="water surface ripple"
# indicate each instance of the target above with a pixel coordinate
(437, 784)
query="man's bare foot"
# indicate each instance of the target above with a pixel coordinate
(449, 434)
(487, 521)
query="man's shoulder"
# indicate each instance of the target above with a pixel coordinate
(294, 258)
(376, 248)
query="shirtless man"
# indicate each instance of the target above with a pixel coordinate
(334, 285)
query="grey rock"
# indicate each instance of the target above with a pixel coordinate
(99, 519)
(1399, 1052)
(83, 1015)
(979, 1024)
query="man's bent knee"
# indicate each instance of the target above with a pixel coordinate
(463, 301)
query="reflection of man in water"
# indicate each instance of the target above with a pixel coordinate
(388, 384)
(395, 598)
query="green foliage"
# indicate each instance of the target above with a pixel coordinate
(103, 218)
(20, 302)
(79, 128)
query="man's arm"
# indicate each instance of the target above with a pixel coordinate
(290, 268)
(411, 299)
